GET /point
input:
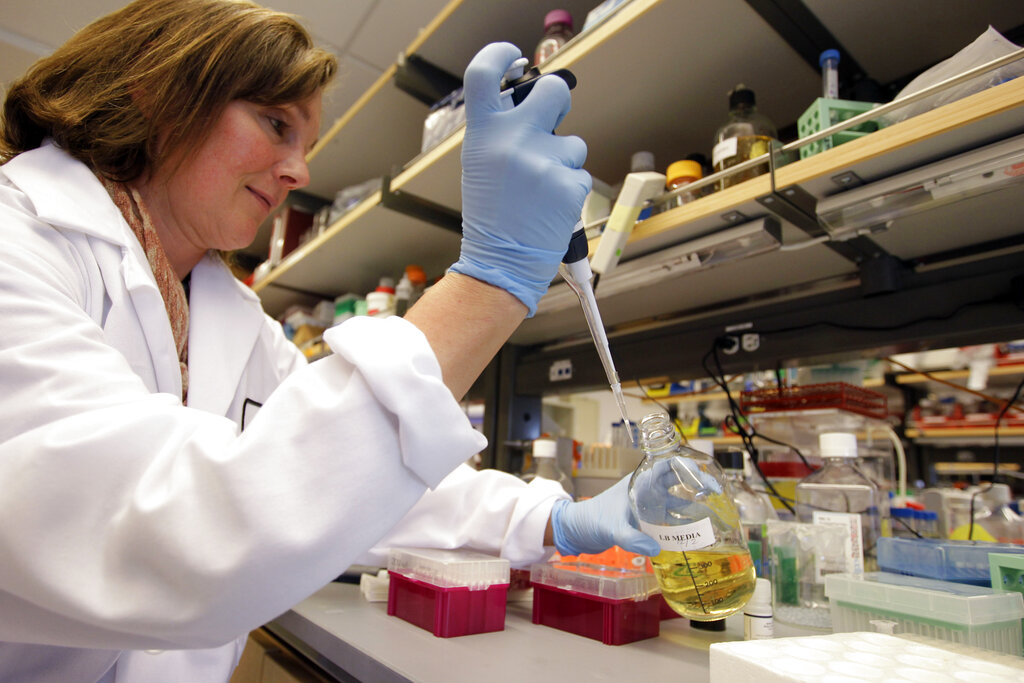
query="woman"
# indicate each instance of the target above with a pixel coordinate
(147, 505)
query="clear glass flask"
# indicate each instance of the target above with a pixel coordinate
(680, 498)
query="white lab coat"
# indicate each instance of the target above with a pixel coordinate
(132, 523)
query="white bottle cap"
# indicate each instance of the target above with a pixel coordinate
(641, 161)
(761, 599)
(706, 446)
(838, 445)
(545, 448)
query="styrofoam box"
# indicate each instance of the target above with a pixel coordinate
(850, 657)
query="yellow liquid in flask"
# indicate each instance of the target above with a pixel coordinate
(705, 585)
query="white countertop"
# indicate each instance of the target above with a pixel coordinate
(345, 634)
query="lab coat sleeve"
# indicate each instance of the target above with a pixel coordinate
(133, 522)
(489, 511)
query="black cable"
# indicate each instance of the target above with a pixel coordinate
(747, 437)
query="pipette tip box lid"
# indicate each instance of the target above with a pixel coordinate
(956, 612)
(612, 604)
(448, 592)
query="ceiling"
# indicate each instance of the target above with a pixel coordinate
(365, 35)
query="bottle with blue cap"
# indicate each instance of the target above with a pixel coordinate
(679, 497)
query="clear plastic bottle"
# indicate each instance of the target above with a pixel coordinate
(545, 462)
(680, 498)
(403, 295)
(840, 492)
(557, 32)
(755, 508)
(746, 135)
(996, 517)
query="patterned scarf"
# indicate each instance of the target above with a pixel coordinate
(134, 211)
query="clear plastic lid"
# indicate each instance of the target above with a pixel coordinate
(612, 583)
(449, 568)
(925, 598)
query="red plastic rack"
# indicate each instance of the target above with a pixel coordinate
(816, 396)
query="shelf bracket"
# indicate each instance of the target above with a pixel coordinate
(427, 82)
(796, 205)
(419, 208)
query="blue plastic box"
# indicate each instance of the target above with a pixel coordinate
(958, 561)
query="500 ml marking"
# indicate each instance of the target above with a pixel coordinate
(705, 584)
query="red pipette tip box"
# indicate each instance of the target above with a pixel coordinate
(610, 604)
(448, 592)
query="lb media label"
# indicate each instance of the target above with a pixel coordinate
(682, 537)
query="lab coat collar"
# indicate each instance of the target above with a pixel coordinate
(225, 319)
(80, 203)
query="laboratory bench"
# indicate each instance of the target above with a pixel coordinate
(350, 639)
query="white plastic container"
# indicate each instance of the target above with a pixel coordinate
(955, 612)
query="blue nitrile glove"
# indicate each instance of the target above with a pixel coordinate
(594, 525)
(522, 186)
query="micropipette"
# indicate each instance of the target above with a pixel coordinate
(575, 268)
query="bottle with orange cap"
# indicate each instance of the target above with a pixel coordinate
(679, 174)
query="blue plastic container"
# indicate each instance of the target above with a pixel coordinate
(959, 561)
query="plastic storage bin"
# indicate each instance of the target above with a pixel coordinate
(824, 113)
(448, 592)
(959, 561)
(969, 615)
(610, 604)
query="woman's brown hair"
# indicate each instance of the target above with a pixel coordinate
(158, 70)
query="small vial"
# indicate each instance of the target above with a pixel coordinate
(829, 63)
(678, 174)
(758, 620)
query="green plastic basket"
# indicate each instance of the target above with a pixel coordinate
(827, 112)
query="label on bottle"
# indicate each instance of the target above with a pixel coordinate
(681, 537)
(851, 561)
(758, 627)
(726, 149)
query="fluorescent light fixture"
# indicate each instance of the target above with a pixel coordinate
(755, 237)
(977, 172)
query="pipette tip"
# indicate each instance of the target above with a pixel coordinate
(621, 401)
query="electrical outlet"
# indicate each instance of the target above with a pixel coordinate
(1007, 572)
(560, 370)
(730, 344)
(751, 341)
